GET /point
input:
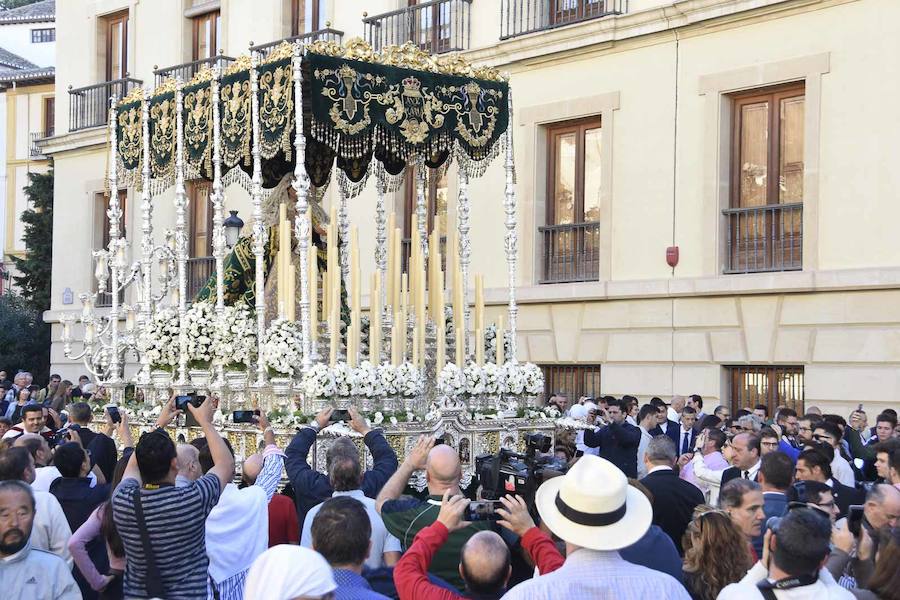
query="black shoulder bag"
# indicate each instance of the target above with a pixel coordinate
(152, 579)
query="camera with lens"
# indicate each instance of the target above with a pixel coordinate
(509, 472)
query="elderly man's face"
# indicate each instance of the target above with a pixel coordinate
(16, 519)
(885, 513)
(749, 515)
(33, 421)
(744, 457)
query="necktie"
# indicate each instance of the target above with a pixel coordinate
(746, 474)
(685, 444)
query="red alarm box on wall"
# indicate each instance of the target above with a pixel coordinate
(672, 256)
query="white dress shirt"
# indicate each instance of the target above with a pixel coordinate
(673, 415)
(842, 471)
(681, 431)
(600, 576)
(382, 541)
(642, 450)
(45, 476)
(826, 588)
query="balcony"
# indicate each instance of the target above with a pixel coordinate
(34, 147)
(326, 35)
(518, 17)
(199, 270)
(437, 26)
(89, 105)
(764, 238)
(571, 252)
(186, 71)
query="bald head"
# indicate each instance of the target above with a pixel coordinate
(484, 564)
(252, 466)
(37, 446)
(188, 459)
(443, 470)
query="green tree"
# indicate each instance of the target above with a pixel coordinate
(34, 268)
(25, 337)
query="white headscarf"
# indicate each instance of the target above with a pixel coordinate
(286, 571)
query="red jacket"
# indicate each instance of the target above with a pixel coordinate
(411, 573)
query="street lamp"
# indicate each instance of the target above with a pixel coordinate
(233, 225)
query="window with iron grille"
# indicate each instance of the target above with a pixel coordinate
(572, 381)
(773, 386)
(42, 36)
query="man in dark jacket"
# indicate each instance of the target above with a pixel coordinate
(78, 500)
(312, 487)
(776, 472)
(618, 441)
(664, 426)
(674, 499)
(814, 464)
(100, 446)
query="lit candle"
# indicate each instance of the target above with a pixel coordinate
(501, 346)
(313, 274)
(404, 299)
(375, 320)
(479, 319)
(389, 284)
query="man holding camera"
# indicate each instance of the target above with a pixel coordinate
(163, 526)
(484, 562)
(794, 551)
(406, 518)
(312, 487)
(618, 441)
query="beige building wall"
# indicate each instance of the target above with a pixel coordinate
(659, 78)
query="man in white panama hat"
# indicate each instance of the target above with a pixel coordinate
(594, 510)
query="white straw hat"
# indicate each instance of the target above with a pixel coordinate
(593, 506)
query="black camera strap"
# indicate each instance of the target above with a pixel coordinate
(767, 588)
(152, 579)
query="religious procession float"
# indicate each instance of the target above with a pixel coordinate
(281, 324)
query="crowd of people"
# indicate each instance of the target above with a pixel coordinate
(659, 500)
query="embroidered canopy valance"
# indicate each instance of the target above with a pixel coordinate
(357, 105)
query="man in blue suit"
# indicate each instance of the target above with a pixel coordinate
(776, 472)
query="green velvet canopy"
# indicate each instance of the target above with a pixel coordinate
(355, 108)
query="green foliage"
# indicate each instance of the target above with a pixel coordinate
(7, 4)
(34, 268)
(24, 338)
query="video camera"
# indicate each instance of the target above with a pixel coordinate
(509, 472)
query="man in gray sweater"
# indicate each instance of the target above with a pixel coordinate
(26, 572)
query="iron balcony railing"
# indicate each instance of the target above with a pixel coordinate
(89, 105)
(435, 27)
(518, 17)
(764, 238)
(186, 71)
(326, 35)
(34, 148)
(571, 252)
(199, 270)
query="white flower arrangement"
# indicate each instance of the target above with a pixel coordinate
(366, 381)
(573, 424)
(410, 380)
(494, 379)
(281, 350)
(234, 338)
(200, 325)
(534, 379)
(474, 378)
(450, 381)
(514, 379)
(387, 374)
(318, 382)
(158, 341)
(344, 379)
